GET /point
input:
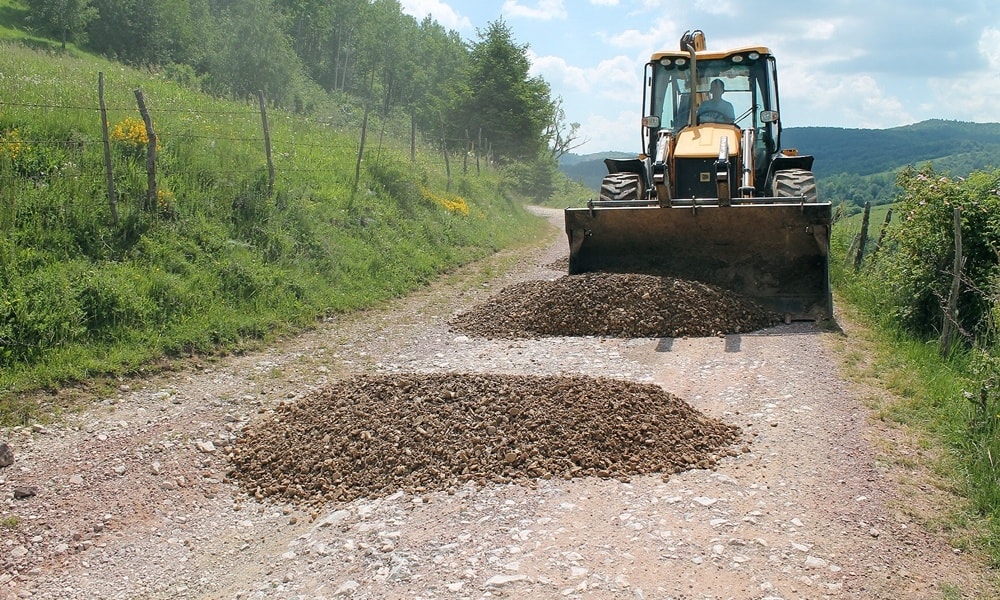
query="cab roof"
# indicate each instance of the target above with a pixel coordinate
(709, 54)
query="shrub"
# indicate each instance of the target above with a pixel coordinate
(914, 274)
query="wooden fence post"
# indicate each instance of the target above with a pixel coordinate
(881, 233)
(950, 324)
(413, 137)
(150, 152)
(863, 240)
(267, 143)
(479, 146)
(361, 150)
(447, 163)
(112, 197)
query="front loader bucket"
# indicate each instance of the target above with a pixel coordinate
(776, 254)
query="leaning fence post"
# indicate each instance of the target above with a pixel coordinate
(882, 232)
(150, 152)
(112, 197)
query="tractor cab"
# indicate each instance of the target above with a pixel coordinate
(696, 97)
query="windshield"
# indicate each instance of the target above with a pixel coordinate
(733, 92)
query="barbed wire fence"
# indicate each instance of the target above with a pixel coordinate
(34, 163)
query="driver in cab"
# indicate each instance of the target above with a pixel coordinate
(715, 109)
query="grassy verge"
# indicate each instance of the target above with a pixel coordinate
(943, 403)
(218, 261)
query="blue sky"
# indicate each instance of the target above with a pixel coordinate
(841, 63)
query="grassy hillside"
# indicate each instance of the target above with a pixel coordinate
(216, 259)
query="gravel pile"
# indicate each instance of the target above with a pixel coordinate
(614, 305)
(372, 435)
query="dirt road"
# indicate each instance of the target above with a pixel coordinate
(129, 498)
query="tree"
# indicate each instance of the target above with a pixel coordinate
(442, 61)
(255, 54)
(153, 33)
(562, 137)
(498, 97)
(66, 19)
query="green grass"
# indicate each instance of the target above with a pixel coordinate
(10, 522)
(939, 400)
(219, 264)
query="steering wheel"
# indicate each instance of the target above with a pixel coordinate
(713, 116)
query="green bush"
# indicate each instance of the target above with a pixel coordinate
(913, 275)
(39, 311)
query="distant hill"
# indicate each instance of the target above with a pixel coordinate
(871, 151)
(864, 159)
(588, 169)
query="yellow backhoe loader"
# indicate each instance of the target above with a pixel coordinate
(712, 197)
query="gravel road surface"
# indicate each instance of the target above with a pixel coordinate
(141, 493)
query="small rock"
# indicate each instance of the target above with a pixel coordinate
(6, 455)
(814, 562)
(205, 446)
(347, 588)
(24, 492)
(498, 580)
(76, 479)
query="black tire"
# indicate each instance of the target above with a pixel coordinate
(621, 186)
(793, 183)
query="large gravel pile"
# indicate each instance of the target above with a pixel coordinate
(373, 435)
(614, 305)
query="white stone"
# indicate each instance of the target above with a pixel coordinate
(346, 588)
(498, 580)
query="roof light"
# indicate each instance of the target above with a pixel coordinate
(753, 55)
(737, 58)
(665, 62)
(681, 61)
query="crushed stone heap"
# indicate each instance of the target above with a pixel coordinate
(613, 305)
(372, 435)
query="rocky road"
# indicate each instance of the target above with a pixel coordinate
(255, 476)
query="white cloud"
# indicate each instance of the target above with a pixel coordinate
(545, 11)
(604, 2)
(441, 12)
(854, 101)
(989, 47)
(604, 134)
(716, 7)
(618, 78)
(974, 96)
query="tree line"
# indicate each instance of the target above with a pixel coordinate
(299, 52)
